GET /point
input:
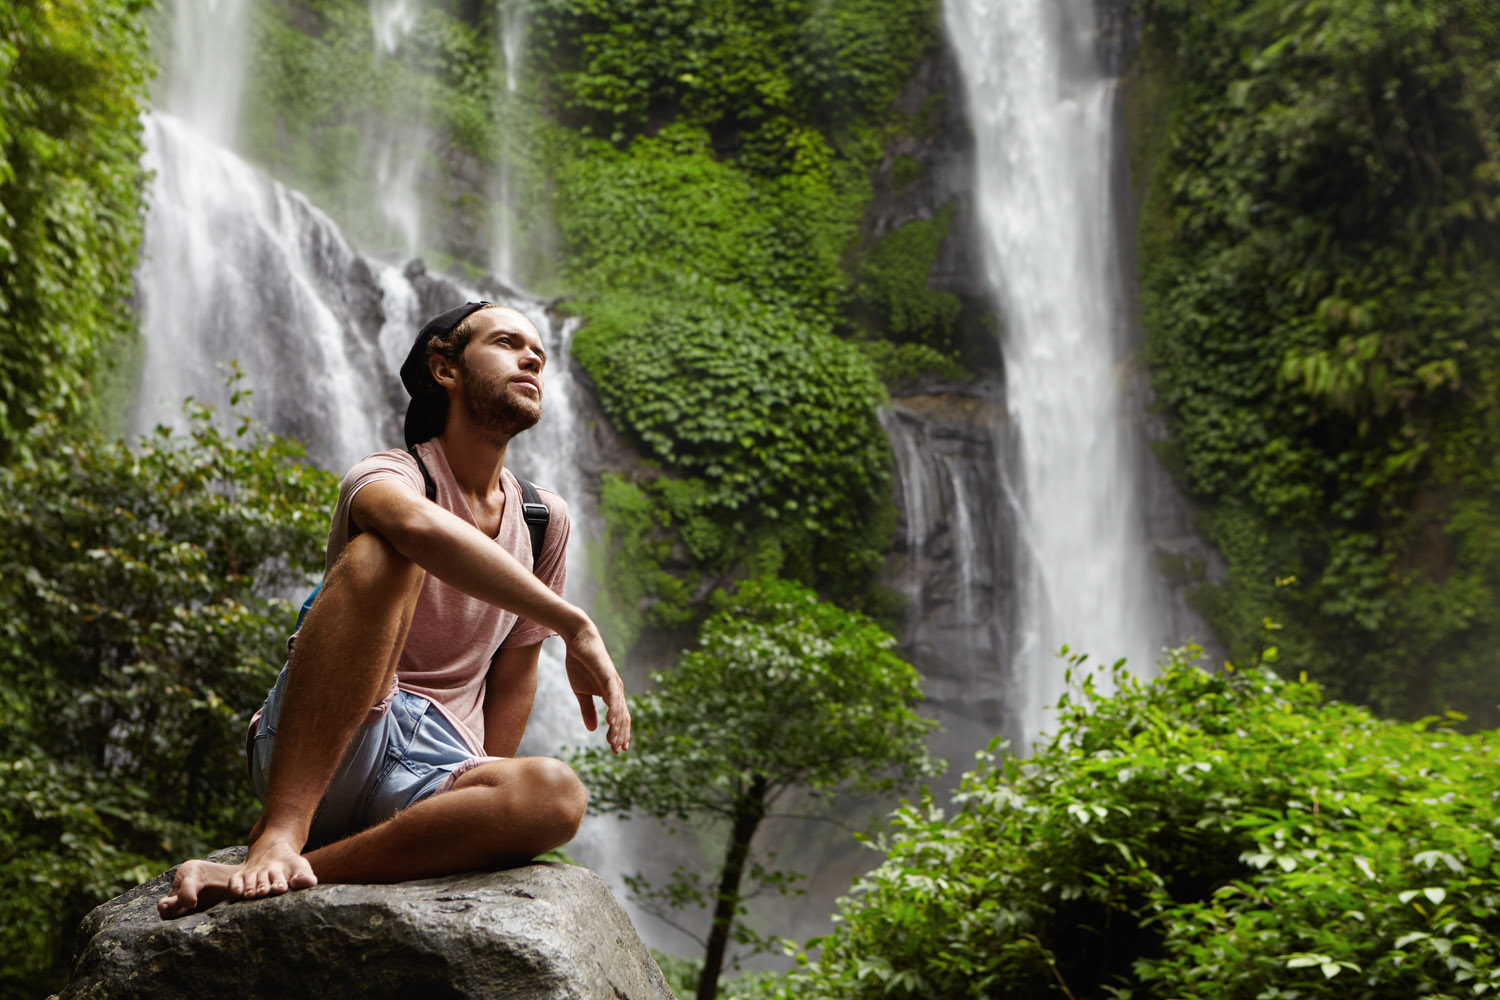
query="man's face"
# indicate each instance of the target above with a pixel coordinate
(502, 373)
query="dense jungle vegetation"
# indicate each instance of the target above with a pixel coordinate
(1319, 189)
(1321, 290)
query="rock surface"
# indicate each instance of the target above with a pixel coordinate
(538, 932)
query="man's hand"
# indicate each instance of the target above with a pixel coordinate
(591, 672)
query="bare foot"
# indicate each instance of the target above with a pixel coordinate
(271, 868)
(197, 886)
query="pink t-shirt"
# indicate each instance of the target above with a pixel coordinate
(453, 636)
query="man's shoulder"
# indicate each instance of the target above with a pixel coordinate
(396, 463)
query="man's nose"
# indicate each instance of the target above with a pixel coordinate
(531, 360)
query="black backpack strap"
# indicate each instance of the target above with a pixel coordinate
(427, 480)
(537, 515)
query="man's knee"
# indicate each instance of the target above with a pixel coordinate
(553, 795)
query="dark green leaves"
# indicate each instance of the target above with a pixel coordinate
(142, 599)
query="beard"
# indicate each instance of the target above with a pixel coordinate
(498, 409)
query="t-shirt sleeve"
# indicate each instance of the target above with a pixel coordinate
(395, 466)
(551, 569)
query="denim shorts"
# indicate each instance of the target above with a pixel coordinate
(410, 753)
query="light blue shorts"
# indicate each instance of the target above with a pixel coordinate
(411, 753)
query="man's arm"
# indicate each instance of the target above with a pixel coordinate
(460, 555)
(509, 692)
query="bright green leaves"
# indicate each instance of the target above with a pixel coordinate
(893, 285)
(1211, 836)
(72, 87)
(747, 71)
(711, 295)
(771, 421)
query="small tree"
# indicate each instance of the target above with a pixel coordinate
(782, 692)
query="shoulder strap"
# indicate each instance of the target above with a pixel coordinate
(537, 515)
(427, 480)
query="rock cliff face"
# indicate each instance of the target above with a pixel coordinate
(539, 931)
(951, 556)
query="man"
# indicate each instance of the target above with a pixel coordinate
(385, 748)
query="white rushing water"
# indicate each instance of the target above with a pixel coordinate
(1042, 113)
(202, 83)
(512, 30)
(396, 152)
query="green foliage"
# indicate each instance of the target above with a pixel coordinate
(666, 210)
(893, 285)
(1200, 836)
(1321, 291)
(754, 73)
(782, 692)
(711, 295)
(72, 87)
(894, 362)
(637, 588)
(138, 591)
(773, 423)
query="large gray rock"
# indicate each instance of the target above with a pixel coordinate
(540, 931)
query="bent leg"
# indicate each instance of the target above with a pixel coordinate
(342, 663)
(505, 812)
(500, 813)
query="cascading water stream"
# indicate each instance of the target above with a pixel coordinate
(1042, 112)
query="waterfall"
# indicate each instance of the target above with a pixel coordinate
(235, 266)
(1041, 111)
(512, 36)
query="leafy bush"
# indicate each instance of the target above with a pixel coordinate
(138, 592)
(893, 285)
(72, 87)
(734, 67)
(771, 422)
(1321, 288)
(1201, 836)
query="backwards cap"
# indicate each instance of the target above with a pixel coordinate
(428, 410)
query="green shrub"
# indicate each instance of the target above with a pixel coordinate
(1200, 836)
(617, 68)
(893, 285)
(141, 626)
(781, 694)
(769, 422)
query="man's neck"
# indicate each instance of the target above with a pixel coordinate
(476, 462)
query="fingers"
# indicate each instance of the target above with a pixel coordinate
(619, 724)
(590, 714)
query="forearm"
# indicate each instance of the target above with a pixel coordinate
(461, 556)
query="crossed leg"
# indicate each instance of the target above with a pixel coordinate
(499, 813)
(343, 662)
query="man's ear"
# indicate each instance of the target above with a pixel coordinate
(444, 372)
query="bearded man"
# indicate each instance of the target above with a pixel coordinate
(385, 749)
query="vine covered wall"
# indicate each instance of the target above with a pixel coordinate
(1321, 298)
